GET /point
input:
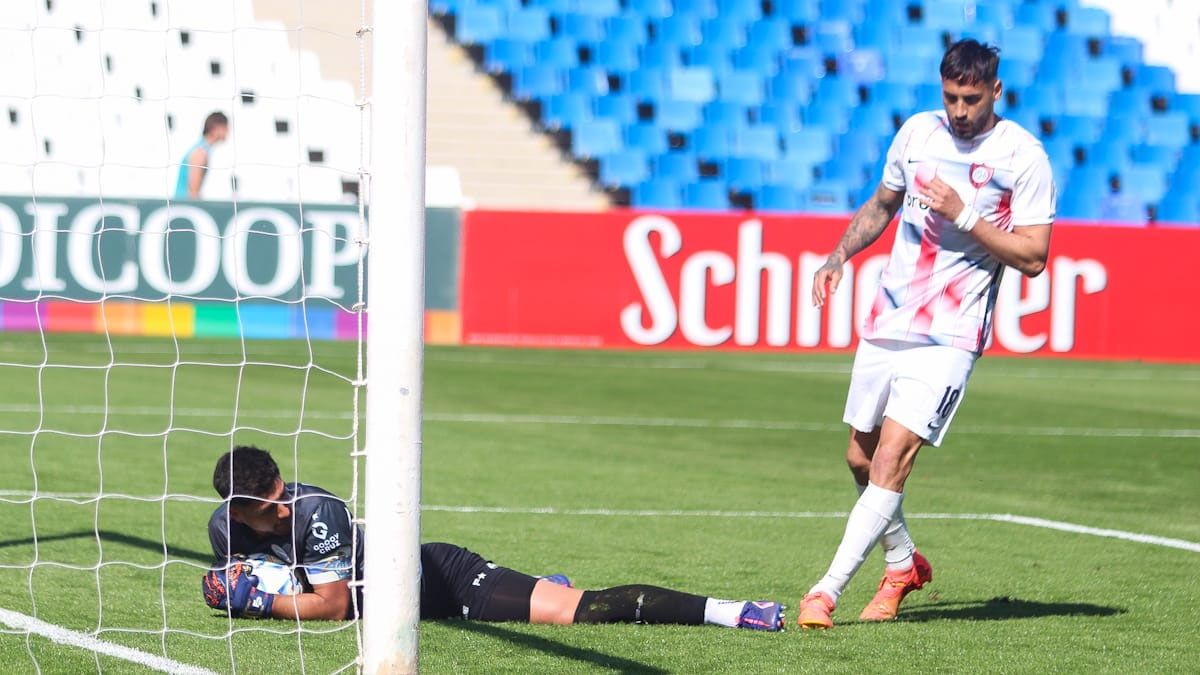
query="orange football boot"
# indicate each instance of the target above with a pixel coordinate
(815, 609)
(893, 588)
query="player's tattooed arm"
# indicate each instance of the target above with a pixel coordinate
(868, 223)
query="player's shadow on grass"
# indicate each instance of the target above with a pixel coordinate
(111, 537)
(1002, 608)
(590, 657)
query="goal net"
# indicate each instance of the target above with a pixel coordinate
(169, 290)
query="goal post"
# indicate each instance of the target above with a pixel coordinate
(395, 341)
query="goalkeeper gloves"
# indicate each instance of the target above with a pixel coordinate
(235, 589)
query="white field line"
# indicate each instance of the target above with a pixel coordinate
(601, 420)
(994, 517)
(64, 636)
(87, 497)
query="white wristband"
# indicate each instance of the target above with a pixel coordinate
(966, 220)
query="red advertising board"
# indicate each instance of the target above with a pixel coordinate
(627, 279)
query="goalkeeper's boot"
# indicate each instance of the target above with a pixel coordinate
(560, 579)
(761, 615)
(893, 588)
(815, 611)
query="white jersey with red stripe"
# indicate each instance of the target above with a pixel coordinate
(940, 284)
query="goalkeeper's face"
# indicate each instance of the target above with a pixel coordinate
(970, 107)
(269, 515)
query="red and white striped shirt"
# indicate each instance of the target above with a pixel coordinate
(940, 284)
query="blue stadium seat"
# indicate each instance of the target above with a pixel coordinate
(1102, 73)
(1047, 99)
(893, 95)
(829, 115)
(1147, 183)
(929, 97)
(1188, 104)
(836, 10)
(919, 42)
(805, 62)
(559, 52)
(1061, 153)
(783, 116)
(691, 84)
(708, 195)
(1018, 73)
(1154, 78)
(678, 166)
(566, 110)
(741, 86)
(1108, 155)
(581, 28)
(790, 88)
(1169, 128)
(742, 11)
(1092, 181)
(874, 119)
(530, 24)
(1124, 130)
(813, 144)
(659, 193)
(659, 56)
(711, 142)
(828, 196)
(863, 65)
(759, 143)
(705, 9)
(796, 173)
(590, 80)
(627, 28)
(775, 34)
(723, 33)
(596, 139)
(1123, 209)
(757, 57)
(678, 115)
(1179, 209)
(1163, 156)
(833, 36)
(616, 55)
(949, 15)
(1077, 205)
(624, 169)
(600, 8)
(537, 82)
(651, 9)
(1038, 15)
(645, 84)
(1129, 102)
(845, 170)
(1084, 101)
(1082, 130)
(648, 136)
(680, 30)
(705, 55)
(798, 11)
(838, 91)
(1090, 21)
(725, 113)
(479, 26)
(778, 198)
(912, 70)
(1126, 50)
(997, 13)
(861, 146)
(1023, 42)
(619, 107)
(504, 55)
(743, 174)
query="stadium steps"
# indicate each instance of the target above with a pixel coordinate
(503, 161)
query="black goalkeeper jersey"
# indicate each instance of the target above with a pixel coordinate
(322, 544)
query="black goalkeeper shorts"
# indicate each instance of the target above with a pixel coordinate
(457, 583)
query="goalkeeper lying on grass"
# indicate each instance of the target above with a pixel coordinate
(306, 529)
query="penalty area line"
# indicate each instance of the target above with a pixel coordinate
(71, 638)
(1028, 521)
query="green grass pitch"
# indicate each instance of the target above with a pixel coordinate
(1101, 445)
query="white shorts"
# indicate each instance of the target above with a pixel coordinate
(918, 385)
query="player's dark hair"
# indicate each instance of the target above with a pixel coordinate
(214, 120)
(245, 472)
(971, 62)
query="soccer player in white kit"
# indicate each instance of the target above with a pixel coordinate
(977, 195)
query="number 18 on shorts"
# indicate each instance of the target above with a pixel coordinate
(917, 385)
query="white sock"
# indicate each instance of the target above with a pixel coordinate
(897, 544)
(868, 519)
(723, 612)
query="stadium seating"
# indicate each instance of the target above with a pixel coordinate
(792, 102)
(102, 101)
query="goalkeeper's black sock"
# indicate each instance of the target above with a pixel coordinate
(642, 604)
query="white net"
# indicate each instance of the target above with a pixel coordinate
(145, 331)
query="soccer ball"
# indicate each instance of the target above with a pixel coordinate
(274, 576)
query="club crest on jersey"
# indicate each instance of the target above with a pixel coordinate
(981, 174)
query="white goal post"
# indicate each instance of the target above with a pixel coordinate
(395, 347)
